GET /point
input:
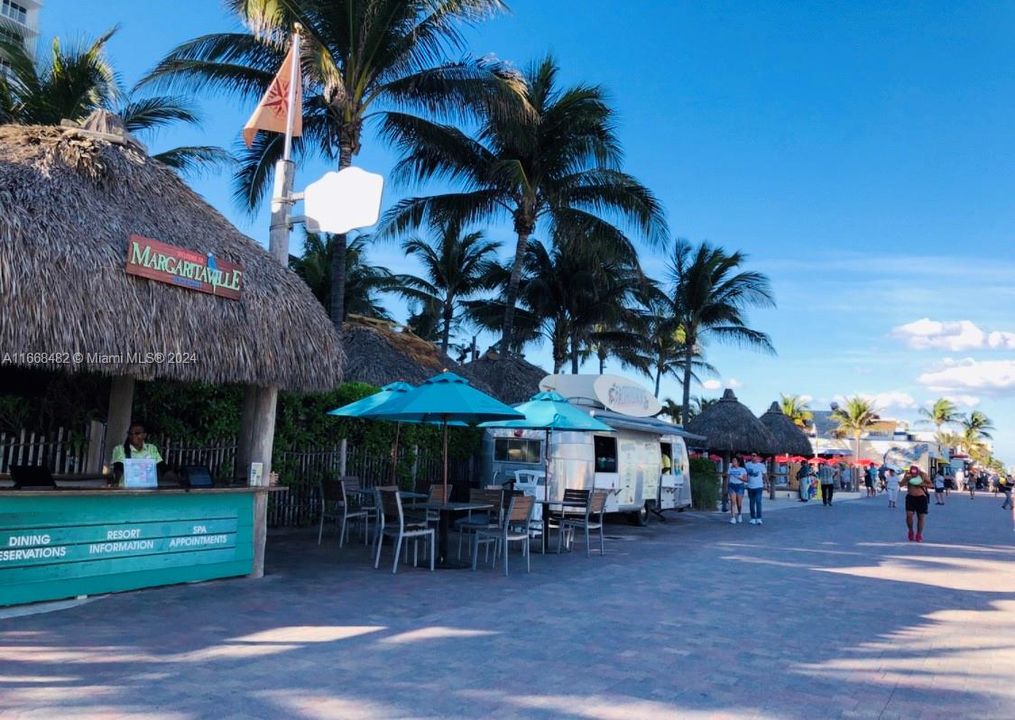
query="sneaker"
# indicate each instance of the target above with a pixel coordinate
(740, 518)
(733, 521)
(753, 521)
(912, 536)
(919, 538)
(759, 522)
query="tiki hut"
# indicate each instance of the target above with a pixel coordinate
(732, 428)
(69, 202)
(789, 439)
(513, 379)
(378, 354)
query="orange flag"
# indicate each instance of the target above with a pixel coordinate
(270, 114)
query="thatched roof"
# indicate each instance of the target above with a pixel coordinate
(378, 354)
(789, 439)
(732, 427)
(513, 379)
(69, 200)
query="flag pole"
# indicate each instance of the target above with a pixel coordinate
(285, 171)
(294, 74)
(263, 400)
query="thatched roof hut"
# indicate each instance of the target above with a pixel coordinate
(69, 201)
(512, 378)
(732, 428)
(789, 439)
(378, 354)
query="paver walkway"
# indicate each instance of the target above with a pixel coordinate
(820, 613)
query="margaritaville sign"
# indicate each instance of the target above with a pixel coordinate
(186, 268)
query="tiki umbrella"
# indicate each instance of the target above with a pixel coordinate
(789, 438)
(549, 411)
(444, 399)
(732, 428)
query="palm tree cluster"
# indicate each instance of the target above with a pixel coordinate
(503, 146)
(71, 83)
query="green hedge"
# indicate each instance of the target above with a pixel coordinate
(705, 484)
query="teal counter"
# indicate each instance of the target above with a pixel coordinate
(64, 543)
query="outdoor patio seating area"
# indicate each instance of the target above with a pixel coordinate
(420, 526)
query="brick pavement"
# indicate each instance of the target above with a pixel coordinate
(820, 613)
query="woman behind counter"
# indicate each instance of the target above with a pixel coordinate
(135, 448)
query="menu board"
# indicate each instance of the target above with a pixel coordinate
(140, 474)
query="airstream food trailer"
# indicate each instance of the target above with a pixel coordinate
(628, 462)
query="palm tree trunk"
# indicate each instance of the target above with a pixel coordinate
(686, 405)
(659, 376)
(446, 331)
(337, 309)
(574, 355)
(511, 297)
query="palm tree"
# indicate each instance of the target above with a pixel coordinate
(975, 430)
(660, 350)
(855, 418)
(671, 408)
(553, 157)
(796, 409)
(942, 412)
(363, 281)
(72, 83)
(358, 56)
(579, 298)
(708, 297)
(454, 268)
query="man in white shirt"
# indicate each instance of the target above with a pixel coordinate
(756, 475)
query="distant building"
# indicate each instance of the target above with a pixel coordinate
(888, 440)
(19, 20)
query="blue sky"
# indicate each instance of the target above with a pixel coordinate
(860, 153)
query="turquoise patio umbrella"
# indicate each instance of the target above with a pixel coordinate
(445, 399)
(357, 408)
(550, 411)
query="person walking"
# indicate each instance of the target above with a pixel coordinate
(971, 484)
(757, 472)
(868, 483)
(1005, 482)
(737, 481)
(960, 479)
(918, 487)
(939, 488)
(826, 476)
(892, 487)
(804, 477)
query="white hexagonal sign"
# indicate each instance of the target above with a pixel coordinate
(343, 201)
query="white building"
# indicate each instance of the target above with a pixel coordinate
(19, 20)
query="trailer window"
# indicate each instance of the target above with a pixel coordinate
(517, 450)
(606, 454)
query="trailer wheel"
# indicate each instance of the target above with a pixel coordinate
(639, 517)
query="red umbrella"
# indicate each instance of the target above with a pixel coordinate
(797, 458)
(783, 458)
(715, 458)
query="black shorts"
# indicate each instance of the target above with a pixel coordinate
(917, 504)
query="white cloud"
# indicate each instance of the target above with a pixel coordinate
(890, 400)
(962, 400)
(991, 377)
(713, 384)
(958, 335)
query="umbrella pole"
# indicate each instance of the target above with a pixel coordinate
(546, 468)
(446, 497)
(394, 453)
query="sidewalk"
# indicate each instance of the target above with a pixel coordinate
(828, 613)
